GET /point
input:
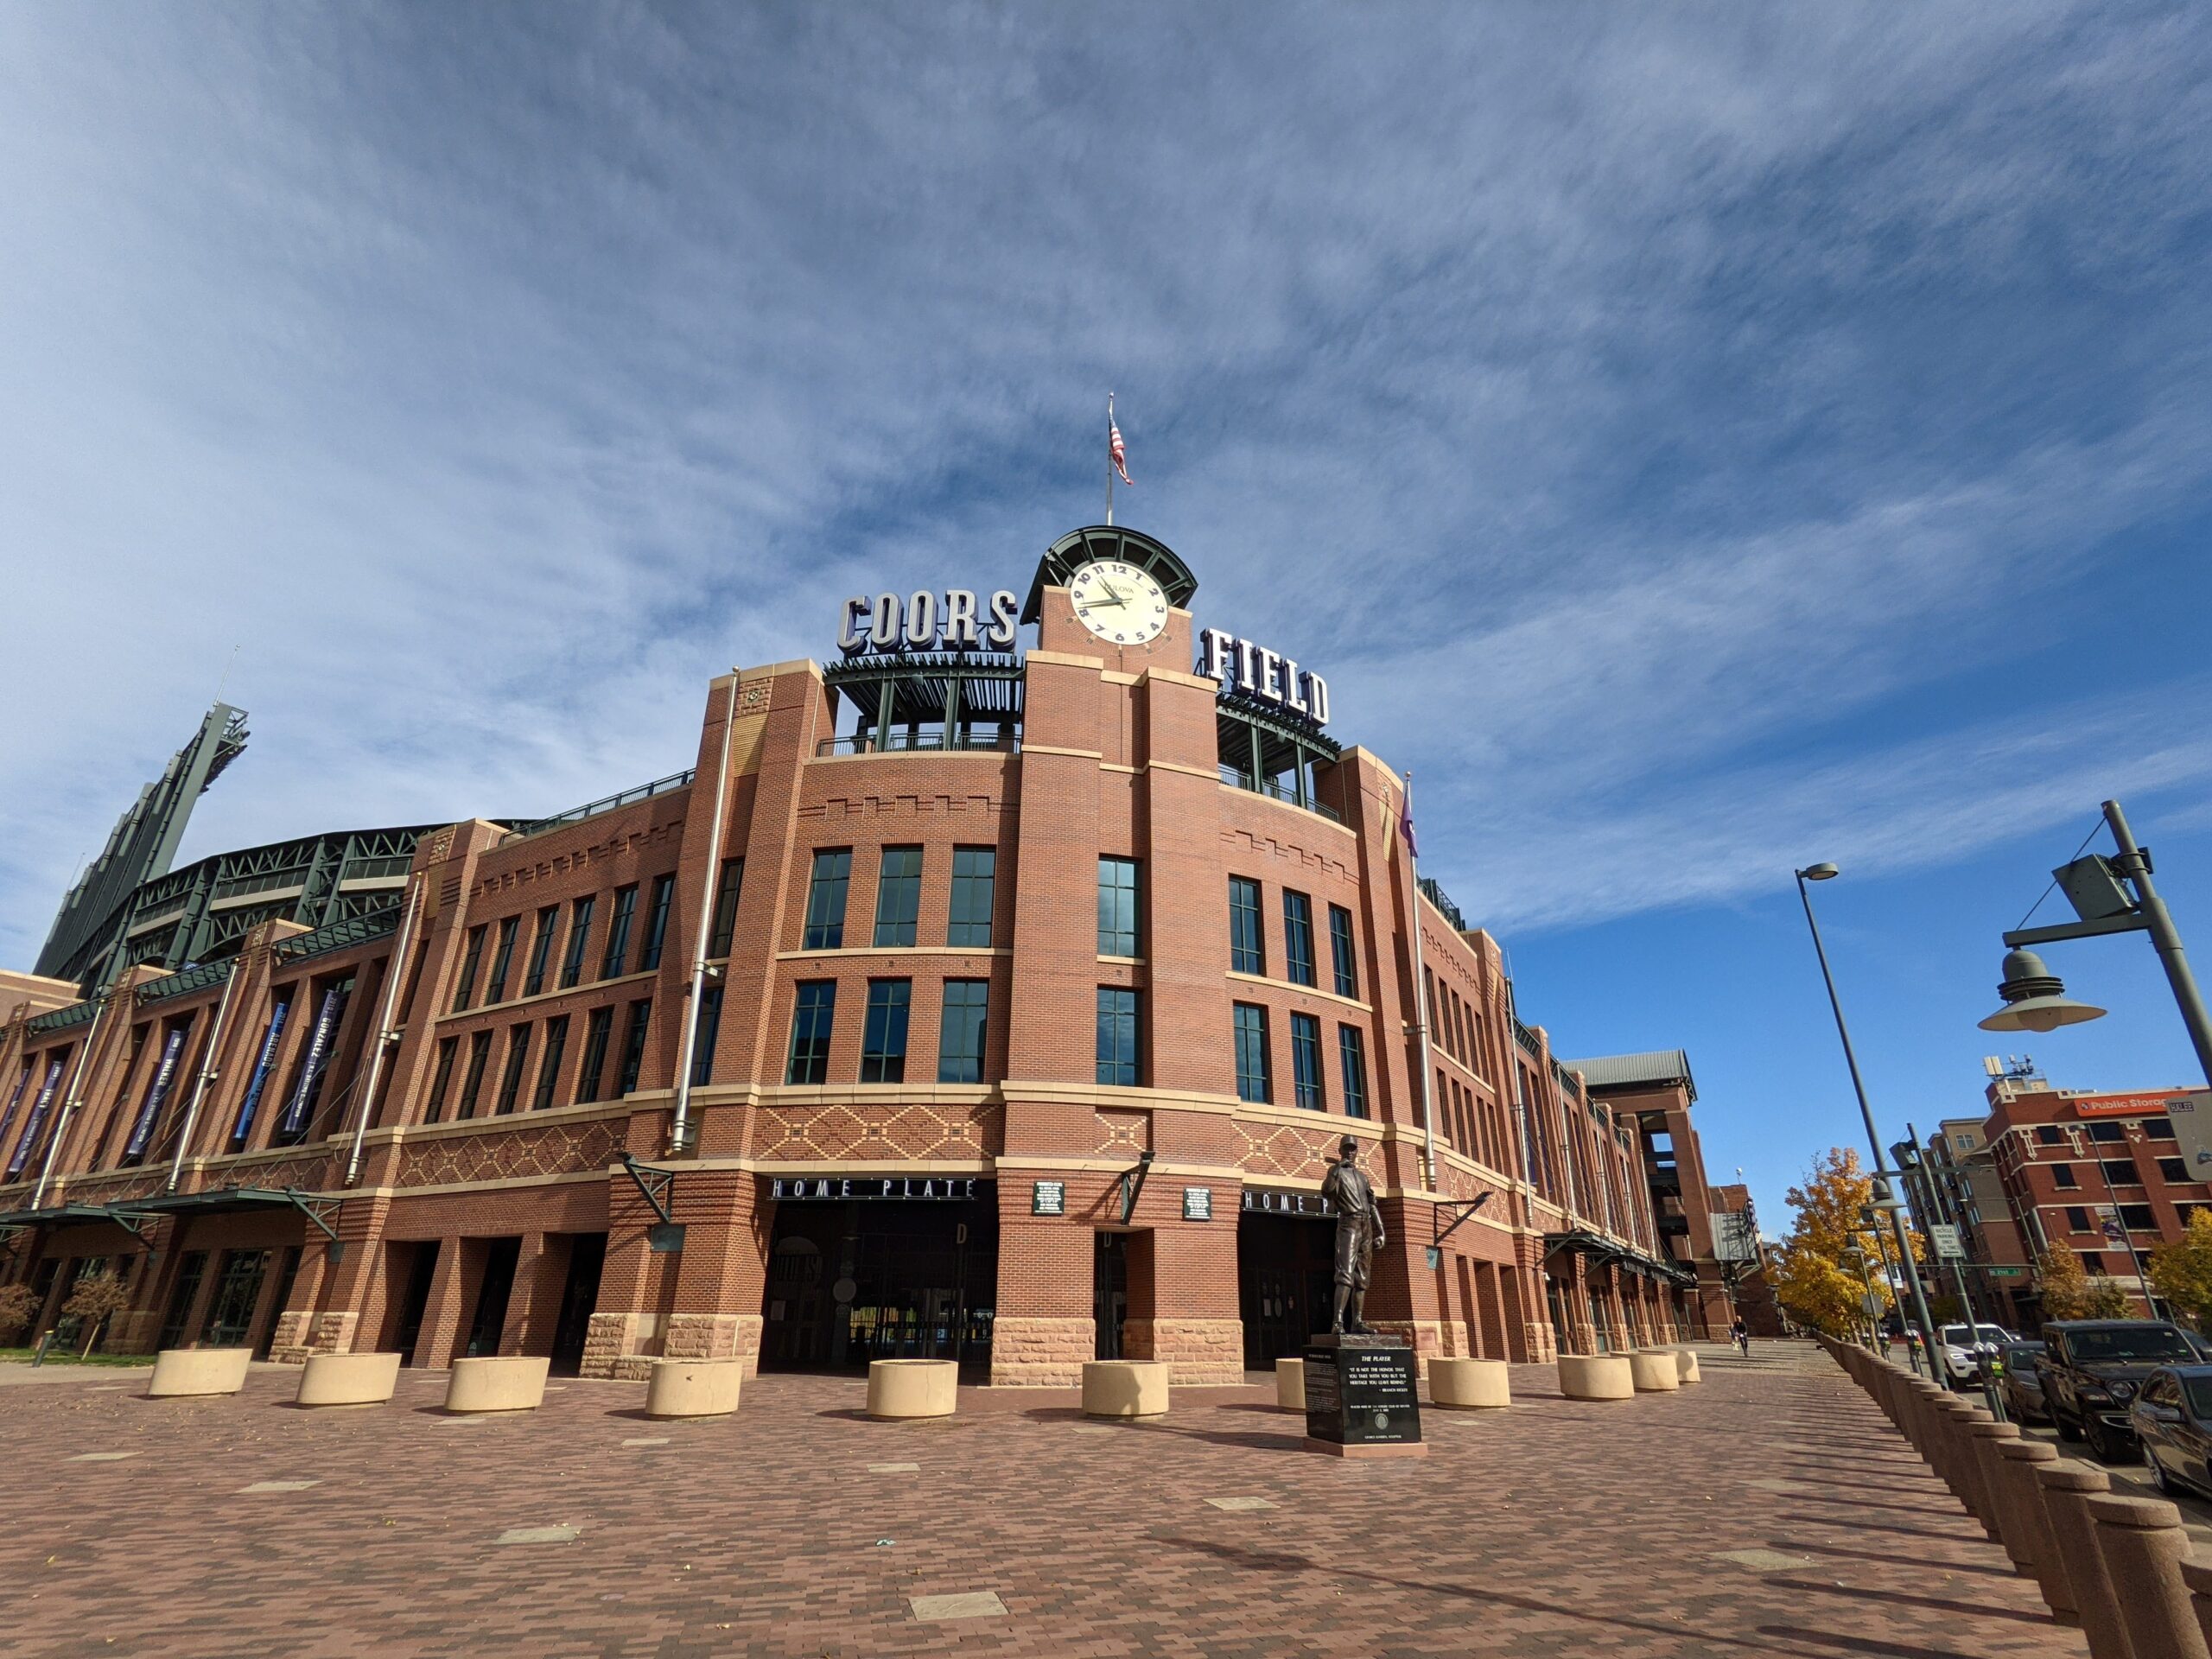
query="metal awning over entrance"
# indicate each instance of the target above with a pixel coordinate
(1581, 1241)
(55, 1215)
(132, 1214)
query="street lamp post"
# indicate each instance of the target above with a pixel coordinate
(1869, 1301)
(1883, 1198)
(1920, 1183)
(1873, 1220)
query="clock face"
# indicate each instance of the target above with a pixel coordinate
(1119, 602)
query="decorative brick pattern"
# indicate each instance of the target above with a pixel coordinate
(1121, 1131)
(552, 1150)
(838, 1132)
(1282, 1152)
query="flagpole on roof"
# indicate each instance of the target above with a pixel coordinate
(1110, 457)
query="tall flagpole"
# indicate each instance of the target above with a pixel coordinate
(1421, 997)
(1110, 457)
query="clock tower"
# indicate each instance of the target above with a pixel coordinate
(1107, 591)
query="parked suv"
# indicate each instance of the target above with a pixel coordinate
(1967, 1348)
(2091, 1369)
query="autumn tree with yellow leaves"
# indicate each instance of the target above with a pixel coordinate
(1820, 1281)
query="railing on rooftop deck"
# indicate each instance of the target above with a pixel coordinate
(918, 743)
(1527, 1038)
(197, 977)
(354, 930)
(1442, 900)
(1274, 790)
(593, 809)
(61, 1019)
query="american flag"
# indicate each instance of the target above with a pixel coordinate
(1406, 817)
(1116, 453)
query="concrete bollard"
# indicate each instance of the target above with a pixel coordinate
(1686, 1366)
(1290, 1385)
(2197, 1575)
(1596, 1376)
(694, 1387)
(2143, 1545)
(1653, 1370)
(2066, 1487)
(1470, 1384)
(496, 1382)
(348, 1379)
(1920, 1398)
(1944, 1413)
(1983, 1442)
(1125, 1387)
(181, 1373)
(912, 1387)
(2027, 1538)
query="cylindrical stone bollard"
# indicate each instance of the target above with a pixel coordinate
(2197, 1575)
(2016, 1461)
(2067, 1487)
(1914, 1422)
(1948, 1420)
(2143, 1545)
(1983, 1439)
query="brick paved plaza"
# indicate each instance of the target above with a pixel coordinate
(1770, 1510)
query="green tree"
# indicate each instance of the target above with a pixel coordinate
(2182, 1272)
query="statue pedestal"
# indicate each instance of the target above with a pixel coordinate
(1361, 1399)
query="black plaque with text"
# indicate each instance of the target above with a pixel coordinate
(1360, 1391)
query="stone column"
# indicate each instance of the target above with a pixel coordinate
(2066, 1487)
(2143, 1545)
(2028, 1541)
(1985, 1441)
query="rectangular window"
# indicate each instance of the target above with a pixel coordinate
(1305, 1063)
(2121, 1171)
(2046, 1134)
(633, 1045)
(1118, 1053)
(1351, 1050)
(549, 1069)
(572, 965)
(975, 874)
(709, 1032)
(727, 889)
(2158, 1128)
(883, 1033)
(1248, 952)
(442, 1078)
(479, 1052)
(2093, 1262)
(1340, 951)
(502, 959)
(1251, 1028)
(466, 989)
(2062, 1175)
(656, 922)
(2107, 1131)
(596, 1029)
(897, 896)
(2173, 1169)
(2137, 1218)
(825, 901)
(618, 933)
(1298, 937)
(541, 947)
(962, 1030)
(510, 1079)
(812, 1015)
(1117, 907)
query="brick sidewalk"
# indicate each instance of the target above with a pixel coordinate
(1770, 1510)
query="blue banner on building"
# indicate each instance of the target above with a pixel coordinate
(15, 1100)
(37, 1118)
(158, 1093)
(318, 1056)
(262, 1064)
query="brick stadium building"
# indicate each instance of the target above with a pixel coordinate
(1034, 993)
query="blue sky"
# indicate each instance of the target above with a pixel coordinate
(1698, 442)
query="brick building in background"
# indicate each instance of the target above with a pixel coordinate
(1034, 993)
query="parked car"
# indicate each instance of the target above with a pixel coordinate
(1965, 1349)
(2173, 1416)
(2019, 1383)
(2091, 1369)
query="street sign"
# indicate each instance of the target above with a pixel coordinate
(2008, 1272)
(1945, 1237)
(1874, 1304)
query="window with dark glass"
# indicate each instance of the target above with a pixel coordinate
(1118, 1051)
(1298, 937)
(2077, 1219)
(510, 1079)
(825, 901)
(541, 948)
(466, 989)
(883, 1033)
(1351, 1052)
(495, 989)
(441, 1078)
(1340, 951)
(2173, 1169)
(1305, 1063)
(596, 1030)
(2062, 1175)
(710, 1032)
(656, 922)
(813, 1013)
(549, 1069)
(961, 1029)
(572, 965)
(2138, 1218)
(897, 896)
(1251, 1029)
(728, 886)
(2121, 1171)
(2158, 1128)
(2107, 1131)
(479, 1052)
(1117, 907)
(618, 933)
(1246, 944)
(633, 1045)
(2046, 1134)
(975, 871)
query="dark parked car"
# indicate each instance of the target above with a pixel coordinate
(2173, 1416)
(2020, 1383)
(2091, 1369)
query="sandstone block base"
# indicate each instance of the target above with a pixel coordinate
(1290, 1385)
(1596, 1376)
(1655, 1370)
(1470, 1384)
(1334, 1449)
(1031, 1352)
(1125, 1387)
(503, 1383)
(181, 1372)
(1686, 1366)
(911, 1388)
(694, 1387)
(348, 1379)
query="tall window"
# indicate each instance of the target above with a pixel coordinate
(974, 872)
(899, 896)
(510, 1079)
(1251, 1027)
(479, 1052)
(656, 922)
(1118, 1056)
(467, 986)
(1117, 907)
(447, 1047)
(727, 889)
(595, 1035)
(962, 1030)
(549, 1069)
(709, 1032)
(1298, 937)
(1340, 951)
(633, 1045)
(812, 1015)
(502, 958)
(1248, 952)
(883, 1035)
(618, 933)
(825, 901)
(1306, 1062)
(1353, 1053)
(541, 947)
(572, 965)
